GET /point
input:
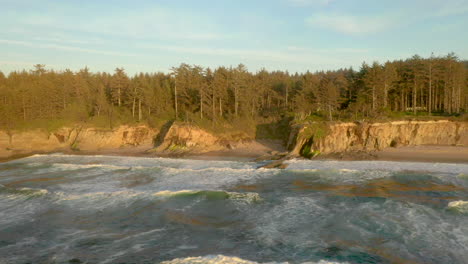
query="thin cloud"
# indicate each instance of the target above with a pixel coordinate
(279, 55)
(351, 25)
(66, 48)
(310, 2)
(153, 23)
(359, 24)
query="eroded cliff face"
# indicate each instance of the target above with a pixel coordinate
(76, 138)
(182, 138)
(187, 138)
(346, 137)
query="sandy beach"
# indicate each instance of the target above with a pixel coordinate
(254, 150)
(442, 154)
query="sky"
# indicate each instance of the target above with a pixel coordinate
(292, 35)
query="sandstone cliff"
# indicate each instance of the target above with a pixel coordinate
(76, 138)
(328, 138)
(176, 137)
(179, 138)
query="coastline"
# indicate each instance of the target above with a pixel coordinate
(422, 153)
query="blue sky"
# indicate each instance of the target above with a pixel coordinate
(294, 35)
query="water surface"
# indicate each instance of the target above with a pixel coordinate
(102, 209)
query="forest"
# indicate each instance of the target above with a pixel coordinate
(431, 86)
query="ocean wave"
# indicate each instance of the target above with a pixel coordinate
(212, 195)
(215, 169)
(98, 195)
(118, 196)
(69, 166)
(353, 166)
(459, 206)
(220, 259)
(23, 192)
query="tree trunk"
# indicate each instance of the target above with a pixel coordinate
(373, 98)
(236, 103)
(175, 101)
(213, 107)
(201, 105)
(220, 107)
(118, 94)
(133, 107)
(139, 109)
(385, 94)
(429, 106)
(402, 99)
(24, 108)
(414, 97)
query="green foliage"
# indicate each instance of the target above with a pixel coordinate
(307, 152)
(74, 146)
(315, 130)
(177, 148)
(233, 100)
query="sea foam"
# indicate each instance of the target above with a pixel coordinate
(459, 206)
(249, 196)
(220, 259)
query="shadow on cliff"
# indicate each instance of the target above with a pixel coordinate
(274, 135)
(278, 130)
(159, 139)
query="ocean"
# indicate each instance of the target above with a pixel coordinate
(109, 209)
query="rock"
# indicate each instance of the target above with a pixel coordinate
(265, 157)
(74, 138)
(190, 138)
(279, 164)
(354, 137)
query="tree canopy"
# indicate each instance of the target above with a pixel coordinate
(430, 85)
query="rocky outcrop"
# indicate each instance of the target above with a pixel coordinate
(75, 138)
(347, 137)
(188, 138)
(179, 138)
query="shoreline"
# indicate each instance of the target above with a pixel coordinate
(423, 153)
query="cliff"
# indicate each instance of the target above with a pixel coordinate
(172, 139)
(179, 137)
(75, 138)
(325, 138)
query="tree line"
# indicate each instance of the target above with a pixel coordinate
(434, 85)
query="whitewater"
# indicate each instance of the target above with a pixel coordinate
(61, 208)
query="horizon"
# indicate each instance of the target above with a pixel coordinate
(284, 35)
(168, 71)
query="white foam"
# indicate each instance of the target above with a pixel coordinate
(220, 259)
(247, 196)
(98, 195)
(33, 191)
(350, 166)
(67, 166)
(460, 206)
(168, 193)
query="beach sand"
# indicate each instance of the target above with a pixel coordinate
(254, 150)
(442, 154)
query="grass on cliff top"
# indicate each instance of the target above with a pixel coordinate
(383, 116)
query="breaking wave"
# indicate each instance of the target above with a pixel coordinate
(108, 209)
(211, 195)
(23, 192)
(220, 259)
(459, 206)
